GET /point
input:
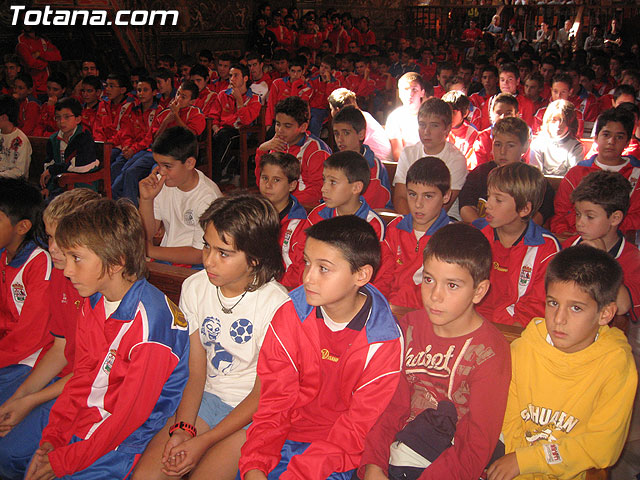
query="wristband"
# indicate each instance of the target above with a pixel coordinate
(187, 427)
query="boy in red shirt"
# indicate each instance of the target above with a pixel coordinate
(294, 85)
(29, 109)
(463, 134)
(111, 111)
(91, 91)
(502, 105)
(323, 84)
(56, 88)
(223, 65)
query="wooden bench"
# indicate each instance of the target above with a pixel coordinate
(168, 278)
(68, 180)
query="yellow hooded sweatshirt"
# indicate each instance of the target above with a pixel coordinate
(568, 412)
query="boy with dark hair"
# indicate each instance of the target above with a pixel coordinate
(133, 342)
(329, 364)
(15, 148)
(445, 416)
(324, 83)
(293, 85)
(166, 92)
(533, 90)
(349, 129)
(569, 369)
(260, 80)
(428, 189)
(489, 82)
(112, 110)
(359, 81)
(71, 149)
(434, 125)
(463, 134)
(199, 75)
(633, 148)
(174, 196)
(402, 123)
(501, 106)
(29, 108)
(444, 73)
(338, 36)
(56, 89)
(614, 129)
(223, 66)
(560, 90)
(521, 248)
(279, 174)
(280, 63)
(291, 122)
(90, 94)
(508, 83)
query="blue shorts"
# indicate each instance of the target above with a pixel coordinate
(116, 465)
(213, 410)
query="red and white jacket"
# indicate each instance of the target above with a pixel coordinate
(47, 122)
(205, 100)
(292, 226)
(483, 147)
(190, 115)
(109, 119)
(135, 127)
(362, 87)
(517, 291)
(295, 401)
(225, 111)
(130, 371)
(322, 90)
(282, 88)
(463, 139)
(38, 66)
(378, 193)
(28, 114)
(24, 305)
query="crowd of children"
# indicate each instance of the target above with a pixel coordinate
(288, 355)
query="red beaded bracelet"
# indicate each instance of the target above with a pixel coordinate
(187, 427)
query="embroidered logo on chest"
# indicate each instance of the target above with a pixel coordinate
(19, 293)
(189, 218)
(326, 355)
(525, 276)
(287, 237)
(107, 365)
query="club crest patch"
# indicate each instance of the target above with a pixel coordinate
(108, 361)
(19, 293)
(189, 218)
(525, 276)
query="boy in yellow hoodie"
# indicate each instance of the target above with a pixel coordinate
(573, 378)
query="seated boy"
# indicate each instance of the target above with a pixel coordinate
(56, 90)
(294, 85)
(324, 83)
(463, 134)
(15, 148)
(601, 200)
(25, 414)
(71, 149)
(402, 123)
(508, 82)
(510, 142)
(26, 269)
(445, 416)
(614, 128)
(428, 189)
(500, 106)
(175, 195)
(166, 92)
(292, 120)
(199, 74)
(279, 173)
(111, 111)
(521, 248)
(131, 350)
(349, 128)
(573, 379)
(560, 90)
(90, 92)
(29, 110)
(434, 125)
(329, 363)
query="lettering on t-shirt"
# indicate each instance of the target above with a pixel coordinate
(425, 362)
(548, 420)
(326, 355)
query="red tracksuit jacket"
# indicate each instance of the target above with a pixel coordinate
(292, 225)
(38, 67)
(225, 111)
(378, 193)
(109, 119)
(135, 127)
(28, 114)
(282, 88)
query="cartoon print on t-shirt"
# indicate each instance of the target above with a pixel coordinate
(221, 361)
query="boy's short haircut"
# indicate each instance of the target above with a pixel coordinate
(351, 116)
(412, 77)
(67, 202)
(164, 73)
(624, 89)
(491, 68)
(176, 142)
(633, 73)
(437, 107)
(330, 60)
(298, 61)
(458, 101)
(523, 182)
(353, 237)
(288, 163)
(226, 57)
(593, 270)
(353, 165)
(12, 58)
(200, 70)
(631, 108)
(20, 200)
(567, 110)
(610, 190)
(167, 59)
(430, 171)
(254, 56)
(462, 245)
(295, 107)
(525, 63)
(466, 66)
(280, 54)
(562, 78)
(513, 126)
(92, 81)
(70, 103)
(250, 223)
(9, 107)
(191, 87)
(206, 53)
(26, 78)
(244, 70)
(445, 66)
(616, 115)
(112, 230)
(122, 79)
(151, 81)
(341, 97)
(588, 72)
(510, 68)
(536, 77)
(59, 78)
(505, 98)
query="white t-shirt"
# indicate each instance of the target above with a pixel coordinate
(450, 155)
(402, 124)
(376, 138)
(15, 154)
(180, 211)
(232, 341)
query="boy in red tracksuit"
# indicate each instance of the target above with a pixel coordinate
(614, 128)
(292, 120)
(504, 105)
(132, 349)
(463, 134)
(560, 90)
(234, 108)
(521, 248)
(445, 417)
(294, 85)
(428, 189)
(36, 53)
(111, 112)
(223, 65)
(323, 84)
(199, 75)
(359, 82)
(508, 82)
(24, 284)
(29, 108)
(329, 363)
(91, 92)
(56, 90)
(166, 92)
(279, 173)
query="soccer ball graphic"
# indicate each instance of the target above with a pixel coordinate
(241, 331)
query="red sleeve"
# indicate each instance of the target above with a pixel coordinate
(311, 175)
(482, 154)
(196, 123)
(151, 365)
(564, 219)
(274, 96)
(248, 113)
(27, 56)
(384, 277)
(32, 115)
(342, 450)
(51, 54)
(632, 218)
(47, 124)
(293, 276)
(216, 110)
(31, 331)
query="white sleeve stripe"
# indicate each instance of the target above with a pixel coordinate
(372, 351)
(377, 378)
(283, 347)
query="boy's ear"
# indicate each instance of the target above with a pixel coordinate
(303, 126)
(364, 275)
(190, 162)
(616, 218)
(480, 291)
(361, 134)
(526, 210)
(293, 185)
(23, 226)
(357, 187)
(607, 313)
(446, 197)
(525, 147)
